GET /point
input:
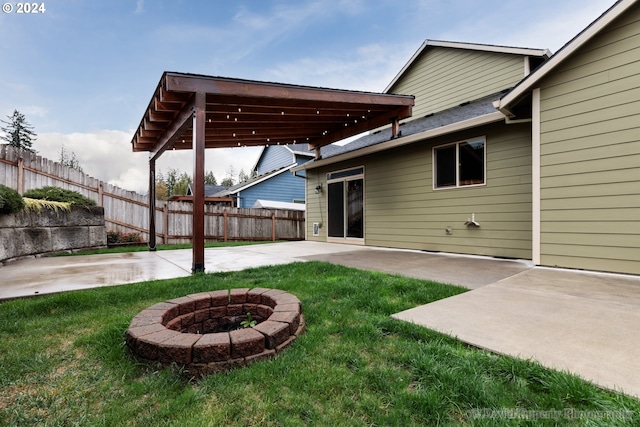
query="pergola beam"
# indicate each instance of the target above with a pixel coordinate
(174, 131)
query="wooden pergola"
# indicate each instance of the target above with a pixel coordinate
(197, 112)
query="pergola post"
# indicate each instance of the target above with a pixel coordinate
(199, 116)
(152, 204)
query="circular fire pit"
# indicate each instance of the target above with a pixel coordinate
(186, 330)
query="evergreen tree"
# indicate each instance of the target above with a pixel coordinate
(210, 178)
(18, 132)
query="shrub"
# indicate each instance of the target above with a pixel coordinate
(57, 194)
(114, 237)
(10, 200)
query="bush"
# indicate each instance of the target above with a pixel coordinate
(57, 194)
(114, 237)
(10, 200)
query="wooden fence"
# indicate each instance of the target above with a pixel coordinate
(127, 211)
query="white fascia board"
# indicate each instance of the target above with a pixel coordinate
(258, 181)
(409, 139)
(468, 46)
(264, 148)
(594, 28)
(492, 48)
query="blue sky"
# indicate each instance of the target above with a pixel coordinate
(84, 71)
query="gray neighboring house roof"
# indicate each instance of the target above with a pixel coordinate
(209, 190)
(469, 110)
(251, 182)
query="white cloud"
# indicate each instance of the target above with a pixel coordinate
(369, 68)
(139, 7)
(107, 155)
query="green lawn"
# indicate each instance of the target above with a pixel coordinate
(63, 361)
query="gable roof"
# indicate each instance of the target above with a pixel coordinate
(528, 83)
(253, 181)
(543, 53)
(468, 115)
(209, 189)
(295, 149)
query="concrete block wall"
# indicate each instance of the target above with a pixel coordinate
(49, 231)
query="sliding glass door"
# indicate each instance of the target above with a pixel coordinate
(345, 200)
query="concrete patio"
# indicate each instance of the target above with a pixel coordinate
(581, 322)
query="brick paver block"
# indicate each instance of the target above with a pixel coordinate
(203, 300)
(264, 311)
(212, 348)
(287, 307)
(219, 298)
(169, 309)
(187, 305)
(177, 349)
(290, 318)
(133, 334)
(202, 315)
(245, 342)
(238, 295)
(275, 333)
(147, 345)
(145, 320)
(235, 310)
(254, 295)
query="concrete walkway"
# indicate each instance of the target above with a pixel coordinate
(585, 323)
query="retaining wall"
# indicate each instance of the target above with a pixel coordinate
(34, 233)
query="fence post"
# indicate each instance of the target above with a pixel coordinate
(100, 194)
(273, 226)
(165, 223)
(224, 224)
(20, 186)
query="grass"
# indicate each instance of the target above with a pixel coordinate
(63, 362)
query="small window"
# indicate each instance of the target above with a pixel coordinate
(459, 165)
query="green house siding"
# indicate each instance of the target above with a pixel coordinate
(590, 154)
(316, 205)
(402, 209)
(446, 77)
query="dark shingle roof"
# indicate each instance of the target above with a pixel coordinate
(466, 111)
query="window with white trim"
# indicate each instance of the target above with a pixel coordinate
(460, 164)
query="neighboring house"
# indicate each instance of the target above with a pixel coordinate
(210, 197)
(274, 181)
(280, 185)
(209, 190)
(548, 170)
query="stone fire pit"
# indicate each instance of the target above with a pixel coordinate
(187, 330)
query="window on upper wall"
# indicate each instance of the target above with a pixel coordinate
(460, 164)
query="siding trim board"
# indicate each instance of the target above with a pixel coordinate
(535, 177)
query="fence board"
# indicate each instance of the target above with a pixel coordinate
(127, 211)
